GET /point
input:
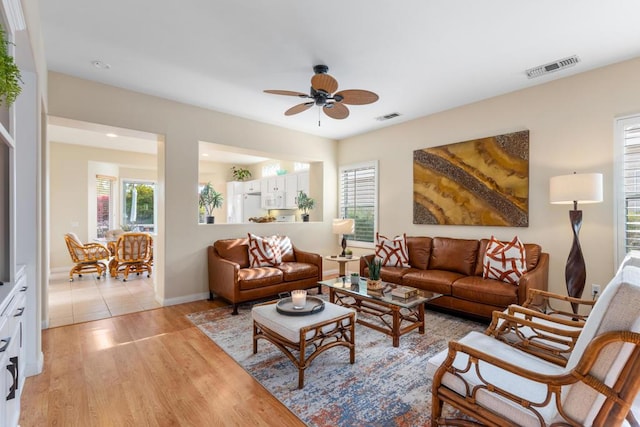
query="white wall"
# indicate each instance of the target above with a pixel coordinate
(571, 123)
(181, 241)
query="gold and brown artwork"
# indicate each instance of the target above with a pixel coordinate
(479, 182)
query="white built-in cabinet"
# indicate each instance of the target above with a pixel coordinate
(12, 348)
(20, 235)
(276, 192)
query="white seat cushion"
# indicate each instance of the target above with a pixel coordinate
(524, 388)
(289, 326)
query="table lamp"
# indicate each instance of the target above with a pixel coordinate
(343, 226)
(568, 189)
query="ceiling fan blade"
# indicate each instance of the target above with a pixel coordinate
(336, 111)
(357, 97)
(298, 108)
(324, 82)
(287, 92)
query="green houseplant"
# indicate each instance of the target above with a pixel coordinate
(9, 73)
(305, 204)
(373, 282)
(240, 174)
(210, 199)
(355, 278)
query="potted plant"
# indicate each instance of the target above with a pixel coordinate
(374, 282)
(355, 278)
(348, 253)
(210, 199)
(305, 204)
(240, 174)
(9, 73)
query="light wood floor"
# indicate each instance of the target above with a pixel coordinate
(152, 368)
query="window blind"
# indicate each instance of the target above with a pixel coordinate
(358, 199)
(631, 176)
(104, 191)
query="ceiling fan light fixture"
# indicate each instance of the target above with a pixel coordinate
(323, 94)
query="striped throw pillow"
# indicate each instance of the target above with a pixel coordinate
(506, 262)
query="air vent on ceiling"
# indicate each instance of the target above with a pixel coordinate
(387, 117)
(552, 66)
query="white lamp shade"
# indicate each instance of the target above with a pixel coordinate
(581, 188)
(343, 226)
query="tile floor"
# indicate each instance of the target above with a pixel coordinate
(87, 298)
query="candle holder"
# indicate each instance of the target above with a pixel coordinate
(299, 299)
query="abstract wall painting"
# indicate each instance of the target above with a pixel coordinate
(480, 182)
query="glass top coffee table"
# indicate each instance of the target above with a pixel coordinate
(393, 315)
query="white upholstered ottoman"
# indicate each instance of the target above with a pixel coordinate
(293, 335)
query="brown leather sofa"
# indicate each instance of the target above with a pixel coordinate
(453, 268)
(231, 278)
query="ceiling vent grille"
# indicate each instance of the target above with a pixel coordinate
(387, 117)
(552, 66)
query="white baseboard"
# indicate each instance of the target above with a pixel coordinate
(183, 299)
(332, 272)
(35, 368)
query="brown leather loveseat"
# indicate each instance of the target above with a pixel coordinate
(454, 268)
(232, 278)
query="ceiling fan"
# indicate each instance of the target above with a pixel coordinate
(322, 93)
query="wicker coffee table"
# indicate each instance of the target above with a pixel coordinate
(303, 338)
(395, 316)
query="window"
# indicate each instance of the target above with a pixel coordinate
(138, 202)
(104, 194)
(299, 166)
(271, 169)
(358, 199)
(627, 185)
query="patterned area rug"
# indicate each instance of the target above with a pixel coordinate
(386, 386)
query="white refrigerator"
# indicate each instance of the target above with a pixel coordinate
(244, 206)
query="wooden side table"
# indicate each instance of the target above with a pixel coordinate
(342, 262)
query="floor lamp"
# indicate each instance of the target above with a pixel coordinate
(568, 189)
(343, 226)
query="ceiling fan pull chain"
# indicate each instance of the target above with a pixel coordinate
(319, 117)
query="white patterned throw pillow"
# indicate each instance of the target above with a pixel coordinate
(392, 252)
(506, 262)
(263, 251)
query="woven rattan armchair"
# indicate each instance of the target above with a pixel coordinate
(538, 328)
(133, 254)
(541, 328)
(498, 384)
(88, 257)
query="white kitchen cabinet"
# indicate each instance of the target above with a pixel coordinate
(251, 187)
(291, 191)
(274, 196)
(303, 182)
(281, 192)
